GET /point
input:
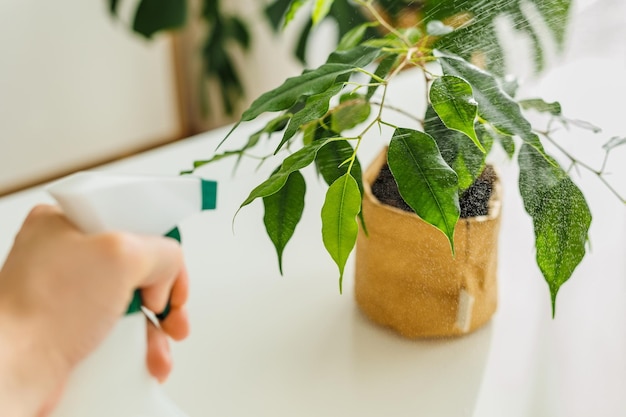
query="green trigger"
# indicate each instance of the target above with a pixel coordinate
(135, 304)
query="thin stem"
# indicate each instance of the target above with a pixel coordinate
(373, 76)
(399, 110)
(382, 122)
(577, 162)
(370, 7)
(606, 158)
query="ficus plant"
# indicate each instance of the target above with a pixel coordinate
(469, 110)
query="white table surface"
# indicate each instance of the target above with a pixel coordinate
(265, 345)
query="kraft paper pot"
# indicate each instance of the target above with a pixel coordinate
(406, 277)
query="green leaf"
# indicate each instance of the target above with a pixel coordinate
(330, 163)
(286, 95)
(320, 10)
(494, 105)
(488, 134)
(383, 69)
(308, 132)
(275, 125)
(615, 141)
(507, 143)
(283, 211)
(339, 225)
(353, 37)
(358, 57)
(478, 36)
(556, 16)
(541, 106)
(350, 113)
(311, 82)
(215, 158)
(457, 150)
(294, 162)
(293, 10)
(427, 184)
(316, 107)
(582, 124)
(155, 15)
(560, 214)
(509, 85)
(454, 102)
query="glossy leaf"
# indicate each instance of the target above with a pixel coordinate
(454, 102)
(295, 162)
(494, 105)
(560, 214)
(286, 95)
(316, 107)
(541, 106)
(155, 15)
(349, 113)
(283, 211)
(310, 82)
(427, 184)
(457, 149)
(330, 163)
(359, 57)
(320, 10)
(339, 225)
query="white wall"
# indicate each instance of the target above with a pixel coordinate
(266, 65)
(77, 87)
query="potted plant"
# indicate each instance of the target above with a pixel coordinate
(446, 281)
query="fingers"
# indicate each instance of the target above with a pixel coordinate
(180, 290)
(176, 325)
(164, 273)
(158, 358)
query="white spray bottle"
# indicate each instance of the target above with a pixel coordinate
(114, 381)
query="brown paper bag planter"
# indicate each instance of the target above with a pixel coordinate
(406, 277)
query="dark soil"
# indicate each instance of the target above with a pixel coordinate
(474, 201)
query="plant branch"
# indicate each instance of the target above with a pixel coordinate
(370, 7)
(399, 110)
(576, 162)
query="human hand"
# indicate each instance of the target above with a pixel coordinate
(61, 293)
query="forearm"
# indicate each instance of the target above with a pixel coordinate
(26, 377)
